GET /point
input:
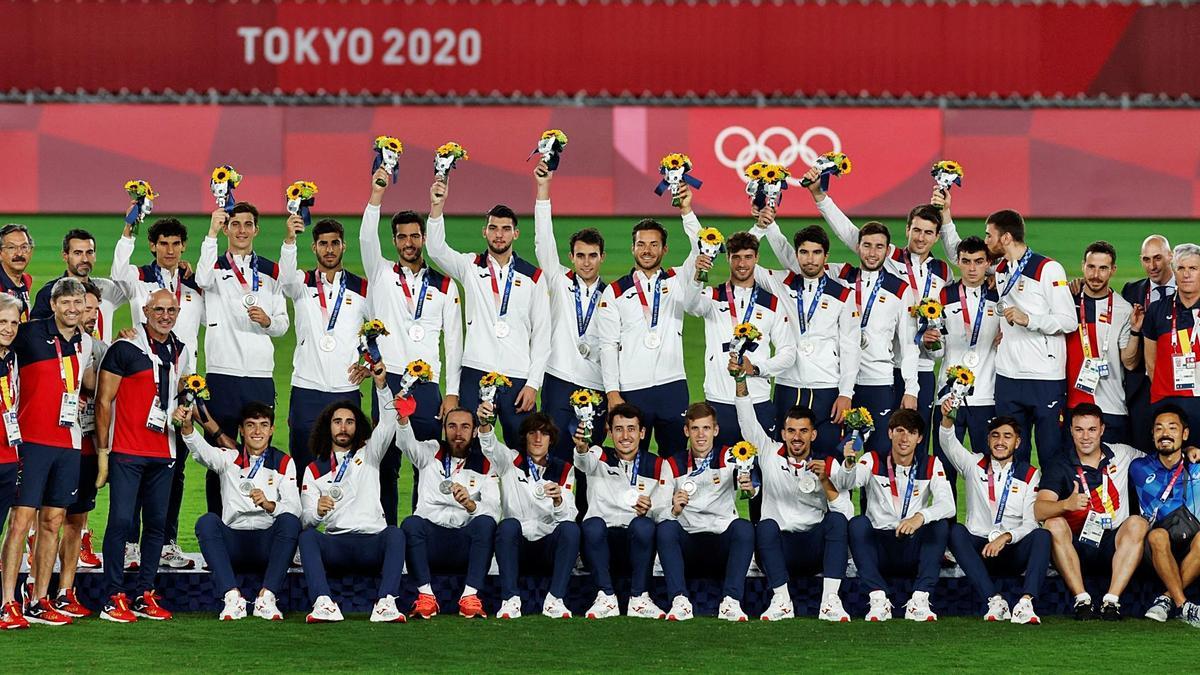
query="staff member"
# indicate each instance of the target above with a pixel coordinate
(341, 492)
(1158, 284)
(139, 383)
(79, 254)
(260, 515)
(16, 250)
(10, 320)
(1171, 338)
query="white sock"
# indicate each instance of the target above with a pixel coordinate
(830, 587)
(783, 593)
(1109, 597)
(920, 595)
(425, 589)
(1083, 597)
(469, 590)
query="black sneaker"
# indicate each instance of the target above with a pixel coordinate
(1084, 611)
(1110, 611)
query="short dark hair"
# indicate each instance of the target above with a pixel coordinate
(76, 234)
(255, 410)
(629, 412)
(16, 227)
(1172, 409)
(90, 288)
(652, 225)
(327, 226)
(813, 233)
(802, 412)
(874, 227)
(588, 235)
(698, 411)
(1101, 246)
(539, 421)
(405, 218)
(1003, 421)
(908, 419)
(1086, 410)
(741, 241)
(245, 207)
(971, 244)
(167, 227)
(1010, 222)
(452, 411)
(502, 211)
(320, 440)
(926, 212)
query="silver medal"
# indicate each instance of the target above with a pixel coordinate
(250, 300)
(971, 359)
(416, 332)
(1000, 306)
(631, 497)
(246, 487)
(446, 486)
(689, 486)
(539, 491)
(336, 493)
(327, 343)
(652, 340)
(502, 329)
(807, 347)
(584, 350)
(863, 342)
(808, 483)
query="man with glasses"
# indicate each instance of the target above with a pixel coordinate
(16, 250)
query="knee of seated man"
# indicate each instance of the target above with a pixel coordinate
(1134, 526)
(1058, 528)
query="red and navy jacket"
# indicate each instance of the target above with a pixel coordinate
(42, 386)
(136, 394)
(1157, 327)
(19, 291)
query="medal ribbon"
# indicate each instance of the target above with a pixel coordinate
(419, 308)
(582, 321)
(508, 284)
(908, 490)
(345, 464)
(637, 283)
(162, 283)
(806, 316)
(1004, 494)
(865, 313)
(1016, 273)
(237, 272)
(331, 317)
(978, 323)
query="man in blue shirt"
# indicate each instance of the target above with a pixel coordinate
(1167, 490)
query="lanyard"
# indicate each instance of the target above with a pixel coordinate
(66, 369)
(162, 283)
(733, 304)
(1016, 273)
(535, 471)
(637, 463)
(908, 490)
(807, 315)
(508, 284)
(637, 283)
(1085, 333)
(1105, 500)
(1187, 346)
(978, 323)
(701, 467)
(912, 278)
(257, 464)
(866, 313)
(420, 305)
(1003, 496)
(345, 464)
(1167, 492)
(8, 388)
(237, 271)
(582, 321)
(331, 317)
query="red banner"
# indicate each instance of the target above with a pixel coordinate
(599, 47)
(1069, 163)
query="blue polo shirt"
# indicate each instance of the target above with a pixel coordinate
(1150, 478)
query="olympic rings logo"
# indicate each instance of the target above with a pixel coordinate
(757, 150)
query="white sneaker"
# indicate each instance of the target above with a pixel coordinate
(133, 557)
(605, 607)
(779, 609)
(173, 558)
(642, 607)
(235, 606)
(510, 608)
(917, 608)
(1023, 612)
(385, 611)
(1190, 614)
(265, 607)
(731, 610)
(881, 608)
(324, 610)
(1160, 610)
(681, 609)
(554, 608)
(831, 610)
(997, 609)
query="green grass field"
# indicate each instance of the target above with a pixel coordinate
(190, 642)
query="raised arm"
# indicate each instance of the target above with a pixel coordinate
(212, 458)
(540, 335)
(206, 274)
(959, 456)
(385, 432)
(842, 226)
(291, 279)
(752, 431)
(451, 261)
(544, 245)
(368, 233)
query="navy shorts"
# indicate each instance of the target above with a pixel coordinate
(85, 499)
(49, 476)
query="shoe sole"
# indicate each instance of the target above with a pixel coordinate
(473, 616)
(44, 622)
(143, 615)
(426, 617)
(399, 619)
(14, 627)
(75, 615)
(310, 619)
(108, 617)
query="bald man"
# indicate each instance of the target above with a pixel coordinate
(1159, 283)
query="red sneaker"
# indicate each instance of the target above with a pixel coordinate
(88, 559)
(44, 613)
(117, 610)
(11, 617)
(146, 606)
(426, 606)
(470, 607)
(69, 605)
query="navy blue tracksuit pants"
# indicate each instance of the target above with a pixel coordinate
(920, 553)
(730, 431)
(426, 426)
(229, 394)
(630, 550)
(129, 477)
(820, 401)
(268, 551)
(880, 401)
(8, 490)
(927, 382)
(784, 554)
(1039, 406)
(1030, 557)
(381, 552)
(556, 402)
(663, 406)
(470, 546)
(707, 553)
(554, 553)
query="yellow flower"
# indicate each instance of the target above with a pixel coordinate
(389, 143)
(419, 369)
(859, 418)
(220, 174)
(950, 166)
(746, 330)
(494, 379)
(930, 309)
(556, 133)
(293, 191)
(452, 148)
(711, 235)
(756, 170)
(676, 160)
(372, 328)
(582, 397)
(841, 161)
(309, 189)
(743, 451)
